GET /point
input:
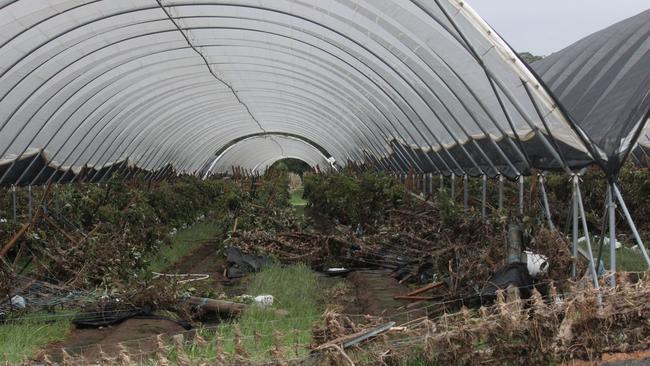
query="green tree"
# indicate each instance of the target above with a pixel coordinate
(529, 57)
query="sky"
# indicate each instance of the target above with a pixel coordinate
(545, 26)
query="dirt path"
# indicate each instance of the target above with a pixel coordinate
(138, 335)
(375, 291)
(206, 259)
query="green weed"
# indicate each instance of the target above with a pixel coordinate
(22, 339)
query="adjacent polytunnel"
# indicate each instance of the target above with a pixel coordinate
(603, 81)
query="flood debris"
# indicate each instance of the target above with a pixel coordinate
(519, 331)
(240, 264)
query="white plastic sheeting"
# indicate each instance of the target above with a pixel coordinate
(170, 82)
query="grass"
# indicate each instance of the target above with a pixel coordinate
(296, 290)
(296, 198)
(626, 258)
(22, 339)
(297, 201)
(183, 243)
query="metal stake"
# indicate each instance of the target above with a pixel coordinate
(619, 198)
(484, 196)
(585, 230)
(57, 198)
(13, 196)
(453, 186)
(500, 192)
(423, 184)
(547, 207)
(29, 201)
(574, 249)
(465, 192)
(521, 195)
(612, 233)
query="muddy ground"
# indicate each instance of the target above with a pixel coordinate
(370, 292)
(138, 334)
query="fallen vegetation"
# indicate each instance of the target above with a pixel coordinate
(457, 293)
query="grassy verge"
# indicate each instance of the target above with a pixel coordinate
(183, 243)
(22, 339)
(626, 258)
(296, 290)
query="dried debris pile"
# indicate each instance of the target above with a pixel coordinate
(539, 330)
(421, 243)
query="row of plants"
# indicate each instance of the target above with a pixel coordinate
(91, 234)
(100, 234)
(353, 199)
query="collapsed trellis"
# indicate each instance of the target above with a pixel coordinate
(573, 324)
(461, 250)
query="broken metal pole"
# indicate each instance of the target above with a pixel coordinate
(227, 307)
(514, 243)
(628, 217)
(218, 306)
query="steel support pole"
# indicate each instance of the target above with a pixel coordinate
(574, 210)
(29, 201)
(500, 192)
(57, 200)
(585, 229)
(521, 195)
(13, 199)
(628, 217)
(453, 186)
(423, 184)
(465, 192)
(547, 207)
(442, 182)
(484, 196)
(430, 184)
(612, 233)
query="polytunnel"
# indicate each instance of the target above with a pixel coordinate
(394, 84)
(137, 144)
(603, 81)
(256, 153)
